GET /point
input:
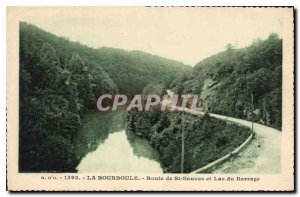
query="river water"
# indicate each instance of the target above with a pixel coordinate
(105, 147)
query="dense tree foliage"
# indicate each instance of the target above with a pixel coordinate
(154, 88)
(130, 70)
(225, 81)
(60, 79)
(206, 138)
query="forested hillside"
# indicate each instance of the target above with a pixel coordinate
(131, 70)
(225, 81)
(59, 79)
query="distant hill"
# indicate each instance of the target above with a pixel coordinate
(131, 70)
(226, 81)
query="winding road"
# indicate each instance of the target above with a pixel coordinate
(262, 155)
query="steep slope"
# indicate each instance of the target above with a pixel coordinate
(131, 70)
(227, 81)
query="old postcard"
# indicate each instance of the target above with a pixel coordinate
(150, 99)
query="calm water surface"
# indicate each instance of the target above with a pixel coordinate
(105, 146)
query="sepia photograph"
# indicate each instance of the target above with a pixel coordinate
(158, 95)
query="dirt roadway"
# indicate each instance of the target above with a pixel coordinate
(262, 155)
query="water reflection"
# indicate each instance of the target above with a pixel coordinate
(96, 126)
(104, 146)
